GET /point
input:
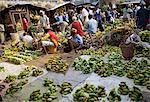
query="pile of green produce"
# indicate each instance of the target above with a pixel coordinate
(2, 87)
(48, 82)
(2, 69)
(56, 65)
(35, 95)
(10, 78)
(123, 89)
(66, 88)
(113, 97)
(135, 94)
(102, 51)
(89, 93)
(22, 57)
(26, 72)
(16, 87)
(37, 72)
(145, 35)
(51, 94)
(48, 96)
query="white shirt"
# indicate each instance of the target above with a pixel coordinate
(28, 39)
(85, 14)
(91, 12)
(91, 26)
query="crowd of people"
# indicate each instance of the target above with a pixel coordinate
(87, 22)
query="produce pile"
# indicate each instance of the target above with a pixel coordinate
(94, 40)
(15, 87)
(30, 70)
(139, 71)
(145, 36)
(102, 51)
(2, 69)
(66, 88)
(56, 65)
(49, 96)
(16, 83)
(91, 93)
(22, 57)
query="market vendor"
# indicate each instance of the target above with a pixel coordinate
(78, 26)
(75, 41)
(49, 39)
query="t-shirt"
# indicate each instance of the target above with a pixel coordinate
(27, 39)
(78, 39)
(85, 14)
(91, 26)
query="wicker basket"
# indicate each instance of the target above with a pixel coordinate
(127, 51)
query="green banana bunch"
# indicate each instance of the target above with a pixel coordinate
(35, 96)
(123, 88)
(10, 78)
(13, 88)
(2, 87)
(101, 92)
(135, 94)
(113, 97)
(66, 88)
(48, 82)
(37, 72)
(2, 69)
(56, 65)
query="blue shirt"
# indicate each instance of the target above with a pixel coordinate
(78, 39)
(92, 26)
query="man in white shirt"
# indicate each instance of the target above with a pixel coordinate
(85, 15)
(44, 20)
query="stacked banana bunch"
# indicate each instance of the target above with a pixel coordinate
(37, 72)
(113, 97)
(2, 87)
(13, 88)
(10, 78)
(89, 93)
(26, 72)
(2, 69)
(66, 88)
(51, 94)
(135, 94)
(145, 35)
(123, 89)
(35, 95)
(56, 65)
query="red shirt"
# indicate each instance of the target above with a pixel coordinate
(25, 23)
(53, 37)
(78, 27)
